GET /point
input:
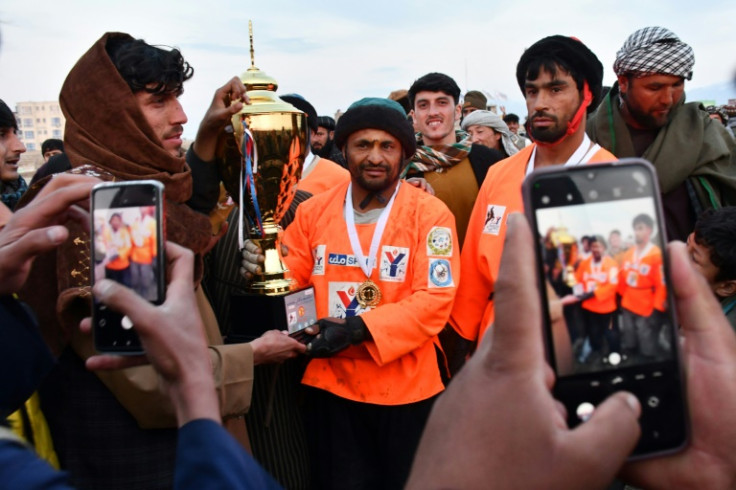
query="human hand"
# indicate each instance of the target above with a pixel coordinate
(709, 356)
(37, 227)
(333, 335)
(497, 424)
(172, 336)
(253, 259)
(569, 299)
(421, 183)
(275, 346)
(228, 100)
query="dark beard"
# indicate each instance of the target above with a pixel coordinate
(326, 150)
(546, 135)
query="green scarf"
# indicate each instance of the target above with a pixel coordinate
(436, 158)
(690, 146)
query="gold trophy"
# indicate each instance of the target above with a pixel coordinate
(260, 158)
(567, 245)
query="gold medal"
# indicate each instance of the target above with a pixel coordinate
(368, 294)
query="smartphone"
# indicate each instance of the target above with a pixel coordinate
(609, 317)
(127, 247)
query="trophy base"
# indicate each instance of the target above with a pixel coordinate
(251, 315)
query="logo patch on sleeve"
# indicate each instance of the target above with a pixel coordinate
(343, 302)
(494, 219)
(318, 255)
(393, 263)
(439, 241)
(440, 274)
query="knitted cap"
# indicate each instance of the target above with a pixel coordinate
(376, 113)
(475, 99)
(303, 105)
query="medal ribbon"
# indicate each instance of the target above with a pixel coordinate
(249, 165)
(366, 265)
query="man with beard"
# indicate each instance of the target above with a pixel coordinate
(446, 158)
(382, 258)
(323, 143)
(561, 80)
(645, 115)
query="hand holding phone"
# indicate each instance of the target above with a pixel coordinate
(601, 262)
(127, 247)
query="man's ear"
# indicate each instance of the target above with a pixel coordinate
(458, 112)
(623, 84)
(724, 289)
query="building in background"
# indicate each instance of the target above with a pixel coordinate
(37, 122)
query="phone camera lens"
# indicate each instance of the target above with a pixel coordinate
(593, 194)
(545, 200)
(591, 175)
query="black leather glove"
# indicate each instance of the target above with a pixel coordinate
(334, 337)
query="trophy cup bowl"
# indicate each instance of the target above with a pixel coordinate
(260, 158)
(278, 133)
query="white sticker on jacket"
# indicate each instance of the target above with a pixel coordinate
(439, 241)
(342, 300)
(318, 255)
(393, 263)
(494, 219)
(440, 274)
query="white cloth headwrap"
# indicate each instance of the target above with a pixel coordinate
(655, 50)
(493, 121)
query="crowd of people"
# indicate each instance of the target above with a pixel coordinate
(426, 367)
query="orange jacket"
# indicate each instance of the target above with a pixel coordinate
(143, 235)
(499, 196)
(641, 284)
(117, 244)
(323, 175)
(417, 271)
(602, 281)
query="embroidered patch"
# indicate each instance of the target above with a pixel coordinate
(318, 255)
(644, 269)
(494, 219)
(342, 300)
(393, 263)
(348, 260)
(439, 241)
(440, 274)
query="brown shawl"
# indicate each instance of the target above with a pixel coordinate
(106, 129)
(106, 136)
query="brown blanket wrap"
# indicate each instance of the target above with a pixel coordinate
(106, 136)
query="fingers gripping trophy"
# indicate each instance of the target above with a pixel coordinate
(260, 158)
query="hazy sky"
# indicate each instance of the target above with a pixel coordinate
(335, 52)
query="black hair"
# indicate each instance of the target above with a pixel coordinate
(52, 144)
(562, 53)
(511, 117)
(644, 219)
(149, 68)
(715, 229)
(7, 118)
(597, 239)
(435, 82)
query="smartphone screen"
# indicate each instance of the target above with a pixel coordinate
(608, 310)
(127, 238)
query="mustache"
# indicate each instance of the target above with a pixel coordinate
(384, 166)
(176, 130)
(543, 114)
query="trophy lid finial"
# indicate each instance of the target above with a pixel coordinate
(253, 78)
